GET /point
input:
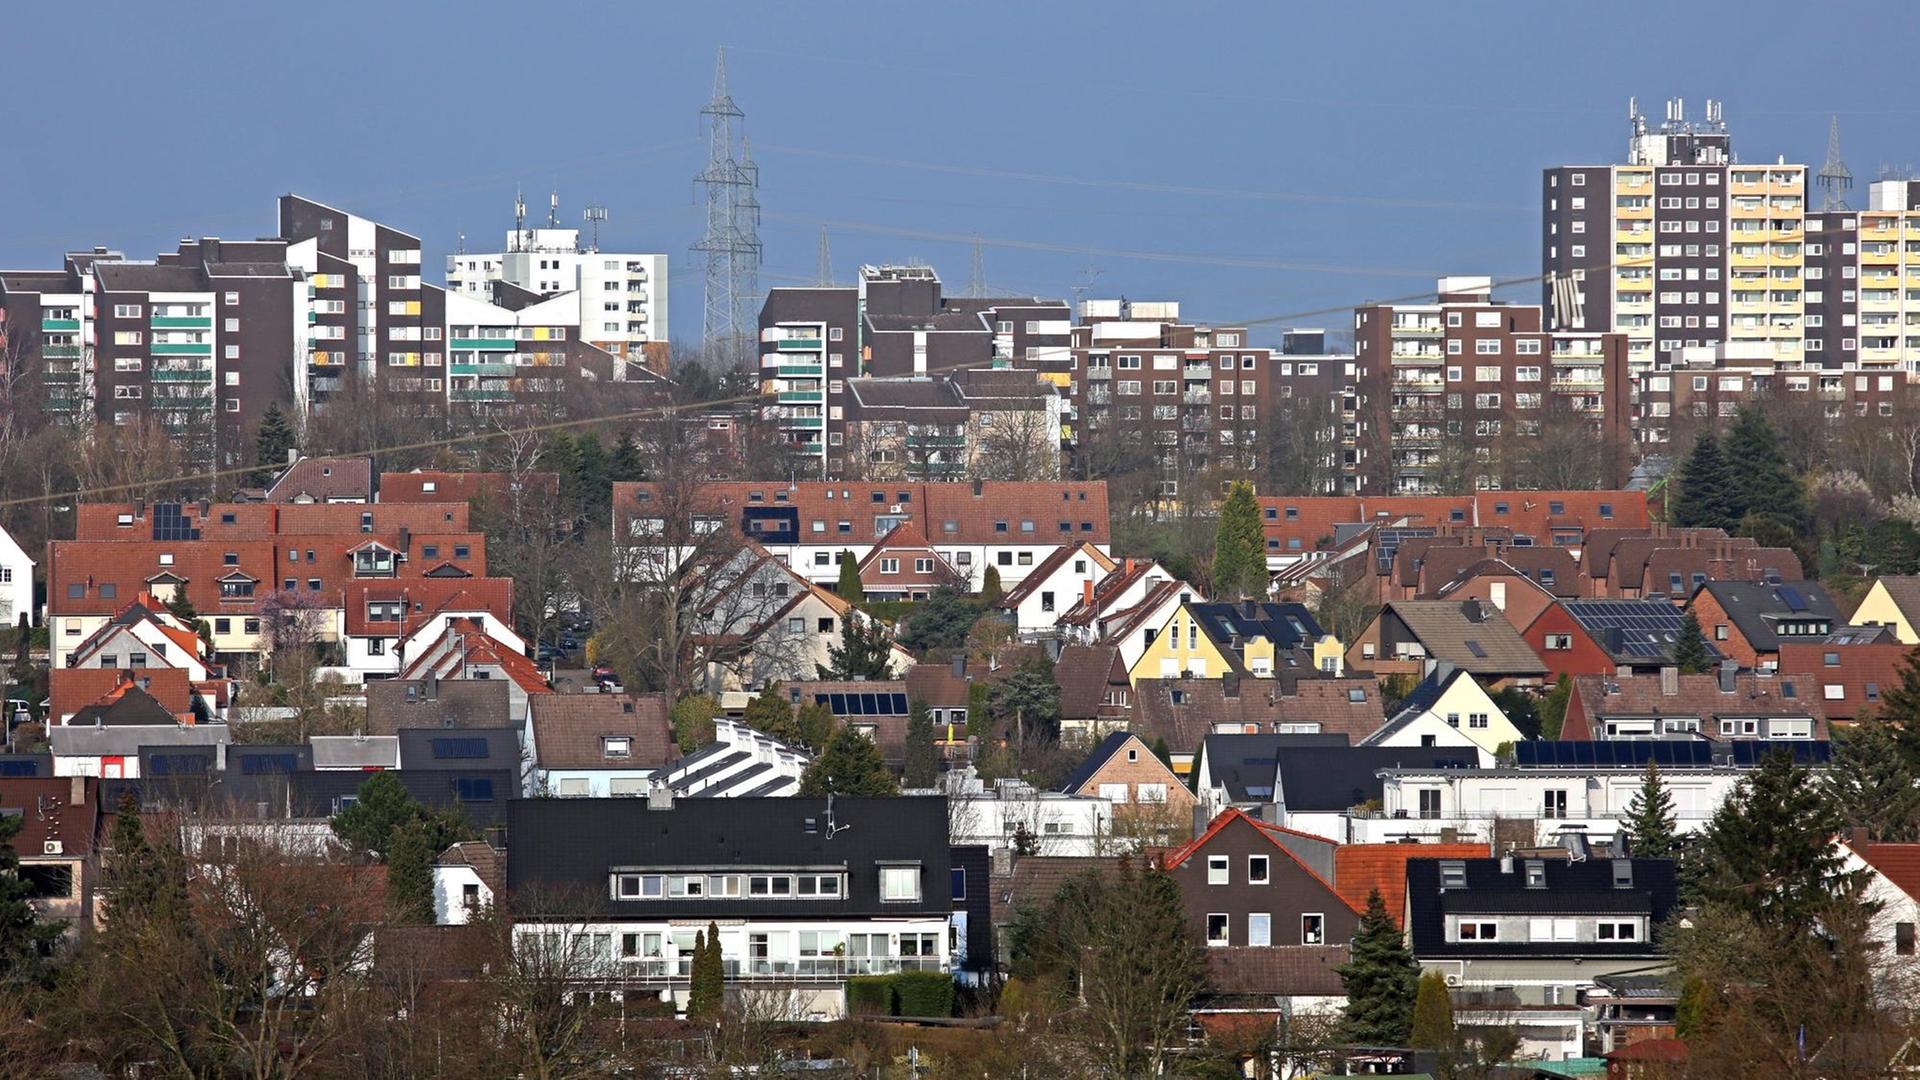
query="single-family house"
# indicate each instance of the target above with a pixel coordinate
(1449, 708)
(1242, 887)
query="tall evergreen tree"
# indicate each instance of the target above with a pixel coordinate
(1432, 1014)
(706, 994)
(1759, 479)
(850, 587)
(410, 872)
(271, 442)
(143, 882)
(1553, 707)
(1160, 751)
(990, 588)
(1240, 547)
(1690, 646)
(1382, 981)
(1873, 783)
(1768, 854)
(627, 464)
(923, 758)
(865, 651)
(1700, 495)
(25, 939)
(850, 765)
(592, 488)
(1650, 823)
(771, 712)
(1900, 707)
(816, 725)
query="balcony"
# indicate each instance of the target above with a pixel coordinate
(57, 325)
(480, 395)
(60, 352)
(482, 369)
(812, 344)
(181, 348)
(757, 969)
(182, 375)
(938, 442)
(1431, 329)
(1197, 397)
(799, 397)
(489, 344)
(180, 322)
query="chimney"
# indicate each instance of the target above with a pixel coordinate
(1086, 592)
(77, 791)
(1129, 566)
(1728, 670)
(660, 798)
(960, 667)
(1669, 681)
(1002, 861)
(977, 488)
(293, 454)
(1247, 608)
(1230, 685)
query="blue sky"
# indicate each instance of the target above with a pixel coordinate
(1249, 160)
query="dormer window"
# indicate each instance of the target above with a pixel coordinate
(616, 746)
(373, 560)
(1536, 874)
(1453, 874)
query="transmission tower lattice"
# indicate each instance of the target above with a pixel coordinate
(823, 277)
(731, 244)
(1833, 179)
(977, 279)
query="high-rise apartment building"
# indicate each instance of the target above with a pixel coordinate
(1683, 246)
(620, 298)
(196, 340)
(893, 323)
(1471, 375)
(1863, 282)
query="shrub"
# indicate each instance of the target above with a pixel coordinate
(869, 995)
(922, 993)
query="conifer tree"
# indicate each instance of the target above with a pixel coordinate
(410, 872)
(1768, 852)
(1873, 783)
(1432, 1014)
(865, 651)
(1240, 547)
(25, 939)
(706, 993)
(851, 765)
(816, 725)
(923, 760)
(1759, 480)
(990, 588)
(1382, 981)
(692, 718)
(271, 442)
(850, 588)
(771, 712)
(143, 882)
(1649, 822)
(1900, 707)
(626, 464)
(1690, 646)
(1700, 494)
(1553, 708)
(1160, 751)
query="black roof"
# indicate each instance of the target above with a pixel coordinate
(1287, 625)
(461, 749)
(1758, 608)
(564, 851)
(1321, 778)
(1244, 764)
(1644, 630)
(1095, 758)
(481, 793)
(1585, 887)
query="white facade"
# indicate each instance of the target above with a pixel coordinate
(1464, 715)
(741, 760)
(16, 582)
(1055, 823)
(459, 894)
(1425, 802)
(1894, 927)
(619, 300)
(1066, 585)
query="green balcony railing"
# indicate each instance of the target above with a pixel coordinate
(798, 344)
(60, 352)
(180, 322)
(59, 324)
(491, 344)
(484, 369)
(181, 348)
(182, 375)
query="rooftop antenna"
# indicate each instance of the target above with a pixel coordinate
(520, 217)
(824, 276)
(593, 216)
(461, 249)
(832, 829)
(1085, 285)
(1834, 179)
(977, 279)
(553, 210)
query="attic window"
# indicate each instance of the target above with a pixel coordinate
(1272, 513)
(227, 519)
(1623, 873)
(231, 558)
(1456, 515)
(166, 558)
(1499, 508)
(1356, 696)
(430, 486)
(1536, 874)
(1606, 510)
(366, 523)
(1556, 507)
(1474, 648)
(616, 746)
(1453, 874)
(949, 527)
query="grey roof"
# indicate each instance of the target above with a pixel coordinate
(1329, 779)
(1244, 764)
(124, 740)
(1472, 636)
(463, 750)
(149, 277)
(906, 393)
(356, 751)
(1758, 609)
(1095, 758)
(441, 703)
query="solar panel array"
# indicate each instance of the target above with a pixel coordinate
(1387, 541)
(1752, 752)
(268, 764)
(865, 704)
(1639, 628)
(170, 523)
(459, 748)
(18, 768)
(1625, 753)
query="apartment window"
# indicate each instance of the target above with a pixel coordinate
(1903, 938)
(1258, 870)
(900, 883)
(889, 566)
(1217, 930)
(1313, 929)
(1554, 803)
(1616, 931)
(1430, 803)
(1479, 931)
(1260, 929)
(1218, 869)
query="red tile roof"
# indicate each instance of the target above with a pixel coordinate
(1358, 869)
(324, 478)
(53, 813)
(425, 597)
(568, 730)
(71, 689)
(1874, 666)
(950, 511)
(1898, 863)
(253, 521)
(1299, 523)
(1700, 696)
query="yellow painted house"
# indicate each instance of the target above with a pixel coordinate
(1208, 640)
(1894, 602)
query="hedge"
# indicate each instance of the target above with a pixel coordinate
(910, 993)
(870, 995)
(922, 993)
